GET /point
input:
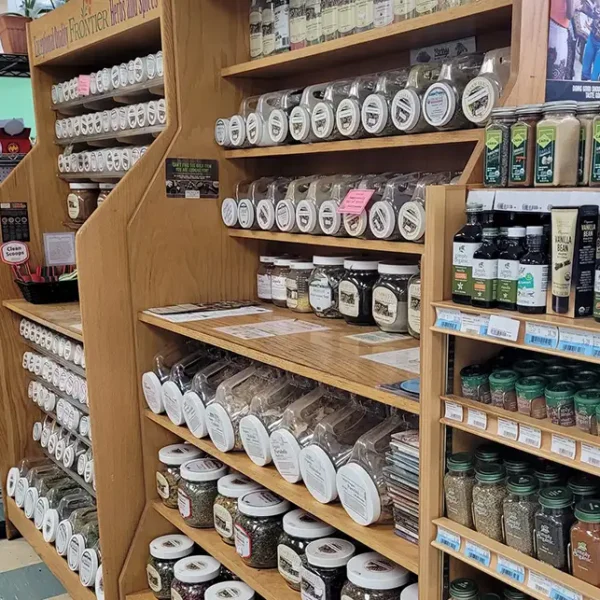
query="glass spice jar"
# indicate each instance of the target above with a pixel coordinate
(530, 396)
(167, 477)
(554, 373)
(165, 551)
(489, 492)
(586, 403)
(323, 286)
(584, 378)
(583, 487)
(193, 576)
(520, 506)
(475, 384)
(297, 287)
(82, 201)
(560, 403)
(414, 305)
(502, 389)
(586, 111)
(553, 522)
(263, 277)
(356, 291)
(497, 142)
(585, 542)
(229, 589)
(522, 146)
(458, 488)
(548, 474)
(528, 366)
(279, 275)
(487, 453)
(463, 589)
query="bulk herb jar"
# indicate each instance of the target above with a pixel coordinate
(279, 275)
(414, 305)
(299, 529)
(55, 516)
(583, 487)
(323, 286)
(373, 577)
(193, 576)
(548, 474)
(502, 389)
(586, 111)
(390, 296)
(487, 453)
(497, 147)
(585, 542)
(229, 589)
(586, 403)
(263, 277)
(82, 201)
(356, 291)
(165, 551)
(557, 145)
(530, 396)
(230, 489)
(520, 506)
(489, 492)
(88, 537)
(475, 383)
(463, 589)
(458, 488)
(297, 282)
(522, 146)
(323, 574)
(168, 476)
(258, 527)
(560, 403)
(77, 520)
(198, 490)
(553, 522)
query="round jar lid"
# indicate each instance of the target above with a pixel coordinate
(372, 571)
(330, 221)
(268, 259)
(255, 439)
(504, 377)
(265, 214)
(406, 109)
(306, 216)
(236, 485)
(237, 131)
(522, 484)
(172, 546)
(529, 110)
(283, 262)
(375, 114)
(328, 261)
(222, 132)
(461, 461)
(99, 584)
(278, 126)
(584, 484)
(203, 469)
(197, 569)
(560, 390)
(262, 503)
(300, 123)
(439, 104)
(560, 106)
(107, 186)
(330, 552)
(411, 221)
(347, 117)
(323, 120)
(285, 215)
(382, 219)
(319, 473)
(300, 524)
(352, 481)
(229, 212)
(229, 589)
(488, 452)
(285, 451)
(463, 588)
(490, 473)
(588, 511)
(584, 108)
(353, 264)
(589, 397)
(356, 225)
(516, 232)
(177, 454)
(547, 472)
(83, 186)
(556, 497)
(531, 383)
(479, 98)
(395, 268)
(88, 567)
(410, 592)
(302, 266)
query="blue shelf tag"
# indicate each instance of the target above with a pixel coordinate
(478, 554)
(448, 318)
(510, 569)
(448, 539)
(541, 336)
(575, 342)
(558, 592)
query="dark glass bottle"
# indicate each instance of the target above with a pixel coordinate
(466, 242)
(508, 268)
(533, 274)
(485, 270)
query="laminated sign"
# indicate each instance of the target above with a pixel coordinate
(192, 178)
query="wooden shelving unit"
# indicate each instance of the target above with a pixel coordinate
(114, 138)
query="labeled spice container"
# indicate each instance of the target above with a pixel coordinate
(586, 403)
(586, 112)
(531, 400)
(458, 488)
(265, 208)
(414, 305)
(324, 573)
(323, 286)
(390, 296)
(230, 489)
(55, 516)
(193, 576)
(323, 117)
(374, 577)
(40, 487)
(105, 190)
(520, 506)
(88, 537)
(285, 210)
(278, 123)
(16, 473)
(229, 589)
(583, 487)
(384, 214)
(299, 529)
(297, 286)
(356, 291)
(82, 201)
(250, 194)
(279, 275)
(497, 147)
(548, 474)
(258, 526)
(52, 499)
(263, 277)
(77, 520)
(553, 522)
(475, 383)
(197, 490)
(560, 403)
(585, 542)
(583, 378)
(489, 492)
(464, 589)
(301, 116)
(297, 24)
(502, 389)
(165, 551)
(314, 22)
(348, 115)
(521, 171)
(168, 475)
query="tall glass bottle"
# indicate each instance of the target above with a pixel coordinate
(256, 30)
(508, 268)
(485, 270)
(533, 274)
(281, 14)
(466, 242)
(329, 20)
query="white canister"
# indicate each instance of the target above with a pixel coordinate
(141, 111)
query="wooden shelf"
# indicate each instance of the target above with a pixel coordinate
(570, 439)
(380, 538)
(266, 582)
(47, 553)
(113, 138)
(380, 143)
(67, 364)
(529, 565)
(108, 177)
(63, 318)
(325, 240)
(471, 19)
(78, 405)
(72, 474)
(326, 356)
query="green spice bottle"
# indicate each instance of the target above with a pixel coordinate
(485, 270)
(497, 142)
(533, 275)
(466, 242)
(522, 146)
(583, 487)
(508, 268)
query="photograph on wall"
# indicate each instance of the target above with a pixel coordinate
(573, 69)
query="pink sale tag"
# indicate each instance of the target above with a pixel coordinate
(83, 85)
(355, 202)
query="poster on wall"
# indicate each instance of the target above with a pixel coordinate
(573, 68)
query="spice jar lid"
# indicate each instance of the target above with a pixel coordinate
(530, 109)
(395, 268)
(559, 390)
(490, 596)
(461, 461)
(547, 471)
(512, 594)
(302, 266)
(262, 503)
(107, 186)
(516, 232)
(584, 108)
(328, 261)
(535, 230)
(583, 484)
(172, 546)
(588, 511)
(177, 454)
(352, 264)
(488, 453)
(83, 186)
(203, 469)
(528, 366)
(268, 259)
(474, 371)
(229, 589)
(197, 569)
(283, 262)
(560, 106)
(556, 497)
(372, 571)
(463, 588)
(589, 397)
(555, 372)
(504, 377)
(516, 466)
(584, 378)
(522, 484)
(490, 473)
(236, 485)
(504, 111)
(531, 383)
(330, 552)
(300, 524)
(410, 592)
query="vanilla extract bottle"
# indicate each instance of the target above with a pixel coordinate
(485, 270)
(508, 268)
(466, 242)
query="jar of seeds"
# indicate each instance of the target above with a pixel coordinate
(520, 506)
(586, 402)
(230, 488)
(458, 488)
(323, 286)
(193, 576)
(530, 396)
(167, 477)
(258, 526)
(198, 490)
(502, 389)
(463, 589)
(583, 487)
(487, 453)
(497, 147)
(230, 589)
(297, 286)
(560, 403)
(516, 466)
(548, 474)
(489, 492)
(584, 378)
(475, 383)
(165, 551)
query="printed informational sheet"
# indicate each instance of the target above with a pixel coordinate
(271, 329)
(210, 314)
(378, 337)
(407, 360)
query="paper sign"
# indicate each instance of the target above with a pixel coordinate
(454, 411)
(271, 329)
(530, 436)
(478, 554)
(355, 202)
(448, 539)
(563, 446)
(205, 315)
(477, 419)
(83, 85)
(407, 360)
(590, 455)
(508, 429)
(59, 249)
(510, 569)
(374, 338)
(14, 253)
(539, 583)
(504, 328)
(541, 336)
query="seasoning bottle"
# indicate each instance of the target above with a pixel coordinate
(489, 492)
(346, 16)
(297, 24)
(586, 111)
(553, 522)
(502, 389)
(586, 403)
(585, 542)
(390, 296)
(165, 551)
(314, 22)
(365, 15)
(531, 400)
(466, 242)
(263, 277)
(560, 403)
(168, 476)
(485, 269)
(281, 13)
(297, 298)
(520, 506)
(404, 9)
(414, 305)
(193, 576)
(557, 145)
(584, 487)
(371, 575)
(285, 210)
(497, 142)
(281, 270)
(323, 286)
(474, 383)
(458, 488)
(256, 35)
(301, 116)
(508, 268)
(522, 146)
(268, 28)
(533, 274)
(356, 291)
(323, 121)
(329, 19)
(348, 115)
(463, 589)
(376, 110)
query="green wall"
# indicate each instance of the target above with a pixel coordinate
(16, 100)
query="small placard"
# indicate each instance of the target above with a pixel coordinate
(474, 324)
(192, 178)
(508, 429)
(14, 253)
(443, 51)
(355, 202)
(478, 554)
(448, 539)
(510, 569)
(448, 318)
(504, 328)
(541, 336)
(59, 249)
(530, 436)
(15, 222)
(477, 419)
(539, 583)
(590, 455)
(559, 592)
(563, 446)
(574, 341)
(83, 85)
(454, 412)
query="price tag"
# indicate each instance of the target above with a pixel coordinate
(454, 412)
(474, 324)
(83, 85)
(355, 202)
(478, 554)
(484, 197)
(510, 569)
(541, 336)
(477, 418)
(575, 341)
(530, 436)
(508, 429)
(563, 446)
(590, 455)
(558, 592)
(448, 318)
(448, 539)
(504, 328)
(539, 583)
(595, 346)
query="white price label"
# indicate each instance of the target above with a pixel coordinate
(539, 583)
(477, 418)
(590, 455)
(454, 411)
(504, 328)
(508, 429)
(530, 436)
(475, 324)
(541, 336)
(563, 446)
(448, 318)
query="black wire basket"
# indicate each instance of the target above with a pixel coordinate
(52, 292)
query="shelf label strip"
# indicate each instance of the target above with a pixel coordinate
(563, 446)
(454, 412)
(478, 554)
(541, 336)
(477, 419)
(509, 569)
(508, 429)
(448, 539)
